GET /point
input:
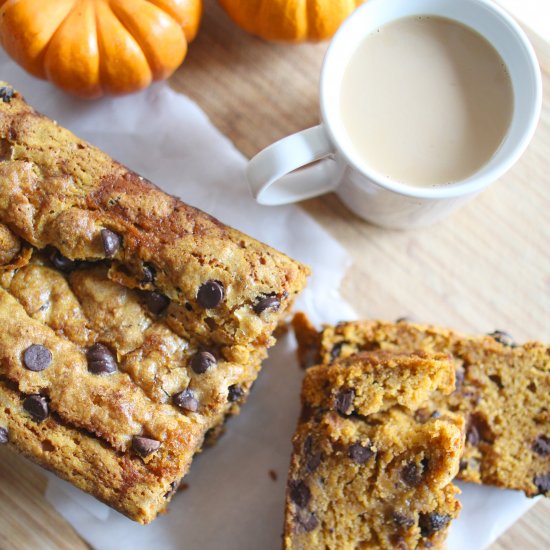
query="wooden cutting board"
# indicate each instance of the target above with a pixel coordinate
(486, 267)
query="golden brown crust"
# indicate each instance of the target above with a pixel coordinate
(122, 481)
(108, 353)
(58, 190)
(10, 246)
(503, 390)
(372, 381)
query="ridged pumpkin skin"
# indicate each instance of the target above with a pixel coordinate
(290, 20)
(95, 47)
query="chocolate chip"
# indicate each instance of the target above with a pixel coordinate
(4, 437)
(497, 380)
(62, 263)
(101, 360)
(503, 338)
(313, 462)
(234, 393)
(156, 302)
(148, 274)
(472, 436)
(459, 378)
(402, 520)
(144, 446)
(336, 350)
(37, 406)
(312, 459)
(541, 445)
(404, 319)
(432, 522)
(307, 520)
(422, 415)
(210, 294)
(37, 357)
(173, 490)
(186, 400)
(478, 430)
(6, 93)
(202, 361)
(176, 486)
(359, 453)
(542, 481)
(267, 302)
(412, 473)
(344, 401)
(299, 493)
(111, 242)
(463, 465)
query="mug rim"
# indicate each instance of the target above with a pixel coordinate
(475, 182)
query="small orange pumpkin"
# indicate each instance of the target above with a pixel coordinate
(95, 47)
(290, 20)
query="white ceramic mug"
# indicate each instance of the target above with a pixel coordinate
(272, 173)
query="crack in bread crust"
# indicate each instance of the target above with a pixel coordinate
(56, 190)
(104, 314)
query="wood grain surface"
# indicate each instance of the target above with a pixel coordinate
(486, 267)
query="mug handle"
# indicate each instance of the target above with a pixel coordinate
(269, 176)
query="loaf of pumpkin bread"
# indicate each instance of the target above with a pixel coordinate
(133, 324)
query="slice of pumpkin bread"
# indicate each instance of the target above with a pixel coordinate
(364, 472)
(503, 391)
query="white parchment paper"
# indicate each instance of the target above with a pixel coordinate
(232, 502)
